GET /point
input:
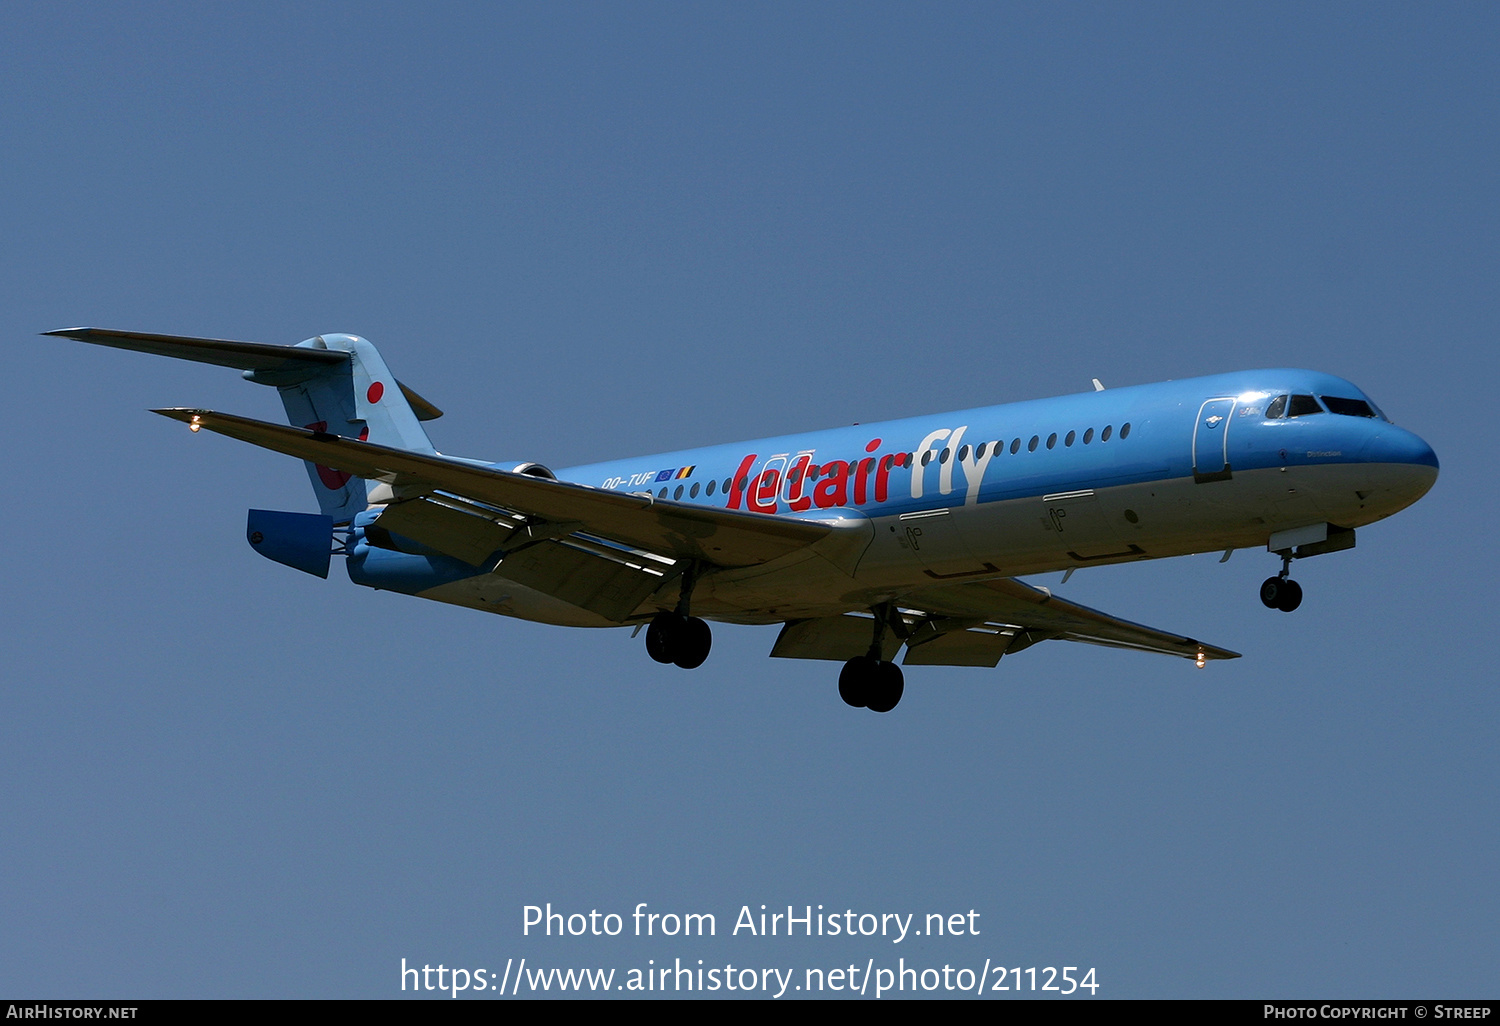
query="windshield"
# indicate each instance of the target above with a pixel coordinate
(1303, 406)
(1348, 407)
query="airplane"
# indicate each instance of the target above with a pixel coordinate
(858, 541)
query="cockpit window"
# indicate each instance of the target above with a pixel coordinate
(1276, 407)
(1348, 407)
(1303, 406)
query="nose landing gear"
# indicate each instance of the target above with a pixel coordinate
(1281, 592)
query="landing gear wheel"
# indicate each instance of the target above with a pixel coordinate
(868, 683)
(1291, 596)
(662, 635)
(691, 644)
(854, 681)
(886, 688)
(1270, 593)
(1281, 593)
(674, 638)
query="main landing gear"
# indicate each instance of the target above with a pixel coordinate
(1281, 592)
(869, 682)
(676, 637)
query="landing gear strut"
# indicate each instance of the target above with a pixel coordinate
(869, 682)
(1281, 592)
(676, 637)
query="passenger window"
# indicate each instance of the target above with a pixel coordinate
(1104, 435)
(693, 492)
(963, 452)
(1088, 436)
(1031, 445)
(1015, 447)
(1069, 440)
(979, 452)
(1125, 430)
(927, 457)
(1276, 408)
(711, 486)
(1052, 440)
(1303, 406)
(662, 494)
(678, 493)
(943, 456)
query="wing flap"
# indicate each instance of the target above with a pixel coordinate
(611, 588)
(959, 648)
(473, 539)
(832, 637)
(1024, 610)
(716, 536)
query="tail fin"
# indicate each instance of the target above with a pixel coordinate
(333, 383)
(355, 398)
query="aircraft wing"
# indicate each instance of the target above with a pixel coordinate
(975, 624)
(720, 537)
(1004, 616)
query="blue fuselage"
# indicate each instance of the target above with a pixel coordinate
(1127, 473)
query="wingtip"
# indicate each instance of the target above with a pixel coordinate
(182, 414)
(68, 332)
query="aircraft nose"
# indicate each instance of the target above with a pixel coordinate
(1402, 466)
(1397, 445)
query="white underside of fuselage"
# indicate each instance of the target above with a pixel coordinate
(881, 558)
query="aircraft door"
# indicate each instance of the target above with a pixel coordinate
(795, 483)
(1211, 441)
(765, 487)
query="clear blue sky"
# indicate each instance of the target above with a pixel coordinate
(587, 231)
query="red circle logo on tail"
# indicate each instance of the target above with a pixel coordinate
(332, 479)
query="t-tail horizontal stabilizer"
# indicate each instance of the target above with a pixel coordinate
(333, 383)
(262, 363)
